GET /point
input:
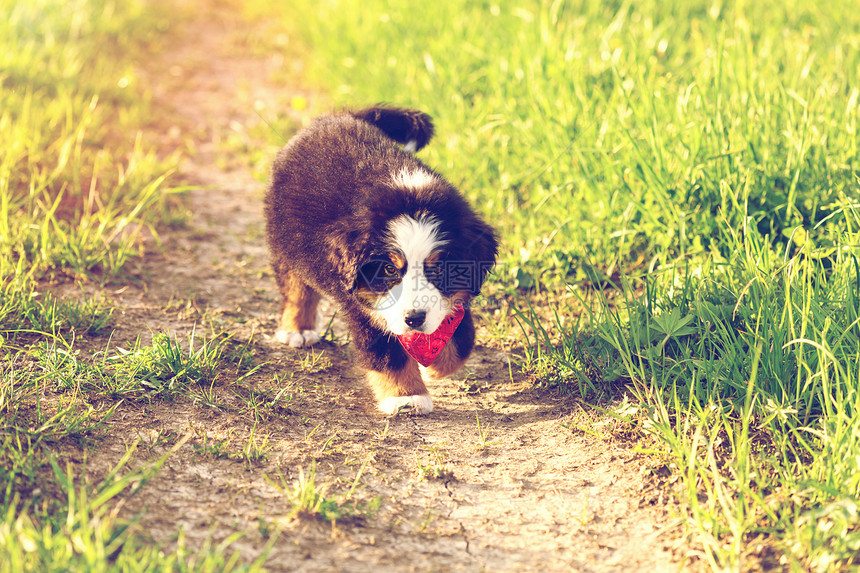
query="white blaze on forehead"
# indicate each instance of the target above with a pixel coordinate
(416, 239)
(414, 179)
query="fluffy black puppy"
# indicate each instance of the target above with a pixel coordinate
(352, 215)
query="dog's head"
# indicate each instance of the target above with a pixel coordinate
(422, 264)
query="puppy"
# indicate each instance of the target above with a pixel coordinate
(352, 215)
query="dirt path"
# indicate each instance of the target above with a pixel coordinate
(521, 493)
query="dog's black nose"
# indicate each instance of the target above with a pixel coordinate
(415, 318)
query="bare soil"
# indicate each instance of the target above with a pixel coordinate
(494, 479)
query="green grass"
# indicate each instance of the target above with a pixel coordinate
(678, 179)
(687, 174)
(23, 310)
(77, 185)
(83, 534)
(611, 135)
(53, 395)
(79, 190)
(309, 500)
(163, 370)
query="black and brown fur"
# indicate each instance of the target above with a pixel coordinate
(328, 202)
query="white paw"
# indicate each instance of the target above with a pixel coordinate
(421, 404)
(297, 339)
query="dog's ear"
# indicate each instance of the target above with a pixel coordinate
(483, 249)
(346, 250)
(468, 268)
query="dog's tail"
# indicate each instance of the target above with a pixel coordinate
(409, 127)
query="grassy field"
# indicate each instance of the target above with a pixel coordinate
(78, 191)
(676, 185)
(686, 173)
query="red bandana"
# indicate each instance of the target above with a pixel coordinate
(426, 347)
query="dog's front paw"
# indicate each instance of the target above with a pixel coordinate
(297, 339)
(448, 362)
(420, 404)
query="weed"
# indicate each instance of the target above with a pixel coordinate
(435, 468)
(256, 448)
(314, 362)
(308, 500)
(87, 530)
(483, 434)
(23, 311)
(165, 369)
(266, 403)
(217, 448)
(382, 433)
(206, 395)
(328, 333)
(429, 516)
(264, 527)
(326, 444)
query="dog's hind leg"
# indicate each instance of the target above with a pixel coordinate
(298, 311)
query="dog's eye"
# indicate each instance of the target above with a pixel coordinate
(389, 270)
